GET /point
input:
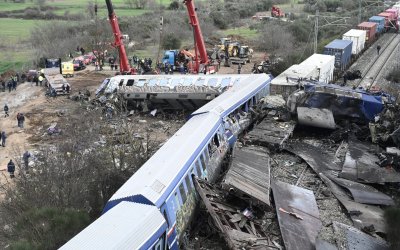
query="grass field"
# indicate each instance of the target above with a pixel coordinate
(242, 31)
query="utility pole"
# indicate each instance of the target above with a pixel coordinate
(326, 21)
(161, 33)
(359, 11)
(316, 31)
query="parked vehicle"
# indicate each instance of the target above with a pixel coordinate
(67, 69)
(78, 64)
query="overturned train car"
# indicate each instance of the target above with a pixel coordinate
(153, 208)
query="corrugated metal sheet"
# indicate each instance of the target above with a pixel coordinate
(127, 226)
(341, 49)
(358, 38)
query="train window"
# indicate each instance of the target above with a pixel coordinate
(121, 82)
(188, 183)
(182, 192)
(216, 140)
(203, 163)
(130, 82)
(198, 170)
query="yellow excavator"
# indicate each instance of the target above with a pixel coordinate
(233, 52)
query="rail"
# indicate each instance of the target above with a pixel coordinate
(377, 65)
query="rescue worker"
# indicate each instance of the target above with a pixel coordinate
(41, 78)
(11, 168)
(6, 110)
(239, 68)
(9, 85)
(378, 48)
(3, 138)
(26, 157)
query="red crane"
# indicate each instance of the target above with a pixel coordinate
(124, 68)
(201, 57)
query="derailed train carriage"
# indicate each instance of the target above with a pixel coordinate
(153, 208)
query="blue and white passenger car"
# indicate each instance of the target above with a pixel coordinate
(153, 208)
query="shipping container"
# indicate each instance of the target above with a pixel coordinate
(380, 21)
(389, 19)
(288, 81)
(358, 38)
(370, 29)
(394, 11)
(324, 65)
(341, 49)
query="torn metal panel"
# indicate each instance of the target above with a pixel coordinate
(367, 168)
(271, 132)
(362, 215)
(249, 173)
(363, 193)
(350, 238)
(315, 117)
(298, 215)
(318, 159)
(238, 229)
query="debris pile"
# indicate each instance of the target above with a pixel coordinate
(330, 185)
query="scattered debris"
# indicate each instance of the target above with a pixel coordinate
(351, 238)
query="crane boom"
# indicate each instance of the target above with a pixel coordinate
(125, 68)
(201, 56)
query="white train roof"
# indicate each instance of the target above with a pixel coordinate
(127, 226)
(235, 96)
(166, 165)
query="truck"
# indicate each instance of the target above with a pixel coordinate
(175, 57)
(277, 12)
(234, 52)
(54, 76)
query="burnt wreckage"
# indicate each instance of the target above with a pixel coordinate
(286, 179)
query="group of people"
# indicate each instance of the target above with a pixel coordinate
(11, 84)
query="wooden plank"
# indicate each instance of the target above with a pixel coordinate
(250, 173)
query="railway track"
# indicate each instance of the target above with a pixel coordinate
(377, 63)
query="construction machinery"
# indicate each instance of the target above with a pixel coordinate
(277, 12)
(199, 61)
(233, 52)
(124, 68)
